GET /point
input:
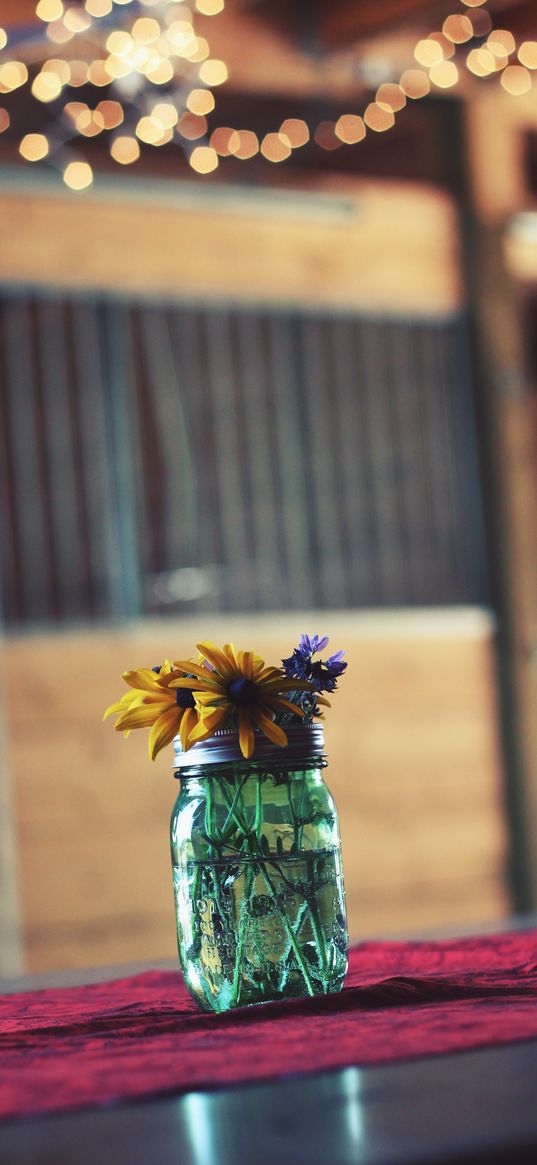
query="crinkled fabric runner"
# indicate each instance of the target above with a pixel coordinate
(143, 1036)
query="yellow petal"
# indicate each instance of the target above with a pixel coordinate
(163, 730)
(142, 717)
(246, 663)
(194, 669)
(212, 718)
(208, 725)
(142, 678)
(232, 657)
(220, 661)
(194, 685)
(120, 705)
(246, 733)
(211, 699)
(271, 730)
(188, 724)
(284, 705)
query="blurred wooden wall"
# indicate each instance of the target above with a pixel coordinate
(414, 766)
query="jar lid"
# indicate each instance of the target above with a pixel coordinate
(303, 741)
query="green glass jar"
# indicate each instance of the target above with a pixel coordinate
(258, 882)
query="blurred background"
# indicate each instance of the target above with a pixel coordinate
(268, 287)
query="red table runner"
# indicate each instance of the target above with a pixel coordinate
(143, 1036)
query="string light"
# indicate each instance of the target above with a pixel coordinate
(78, 175)
(157, 45)
(516, 80)
(296, 132)
(203, 159)
(153, 46)
(34, 147)
(527, 54)
(125, 150)
(350, 129)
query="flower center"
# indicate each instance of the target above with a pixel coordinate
(243, 692)
(184, 698)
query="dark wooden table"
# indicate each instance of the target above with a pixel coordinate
(471, 1107)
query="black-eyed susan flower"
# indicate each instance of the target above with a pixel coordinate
(152, 703)
(235, 686)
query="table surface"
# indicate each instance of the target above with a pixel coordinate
(469, 1107)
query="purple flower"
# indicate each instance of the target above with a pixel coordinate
(323, 674)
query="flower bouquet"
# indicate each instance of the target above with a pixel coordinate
(258, 883)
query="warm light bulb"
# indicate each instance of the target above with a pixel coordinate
(244, 144)
(428, 52)
(203, 159)
(197, 51)
(390, 96)
(378, 118)
(161, 74)
(458, 28)
(501, 42)
(78, 175)
(444, 75)
(46, 87)
(3, 38)
(209, 7)
(76, 20)
(213, 72)
(296, 131)
(34, 147)
(516, 80)
(200, 101)
(415, 83)
(125, 150)
(111, 113)
(275, 147)
(221, 138)
(165, 114)
(146, 30)
(326, 137)
(12, 75)
(4, 119)
(527, 54)
(350, 129)
(192, 127)
(98, 8)
(48, 10)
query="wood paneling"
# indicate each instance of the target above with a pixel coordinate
(508, 406)
(346, 249)
(414, 767)
(10, 937)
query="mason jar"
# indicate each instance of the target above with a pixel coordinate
(257, 873)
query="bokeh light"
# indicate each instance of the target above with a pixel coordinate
(34, 147)
(296, 131)
(516, 80)
(527, 54)
(444, 75)
(125, 150)
(378, 118)
(78, 175)
(415, 83)
(203, 159)
(350, 129)
(275, 147)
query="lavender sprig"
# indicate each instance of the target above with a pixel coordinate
(322, 674)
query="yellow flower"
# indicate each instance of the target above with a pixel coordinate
(237, 682)
(154, 704)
